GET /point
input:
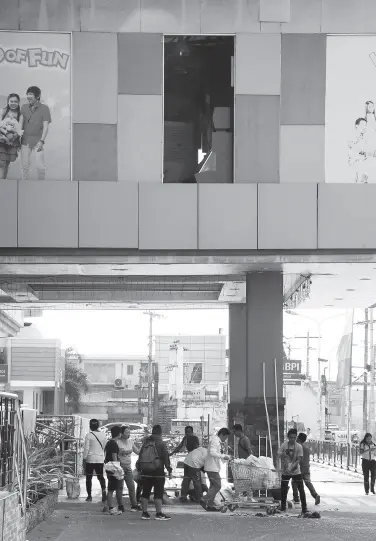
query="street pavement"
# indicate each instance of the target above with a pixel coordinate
(345, 513)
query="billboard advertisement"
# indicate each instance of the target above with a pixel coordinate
(35, 106)
(350, 123)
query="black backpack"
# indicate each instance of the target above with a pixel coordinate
(149, 461)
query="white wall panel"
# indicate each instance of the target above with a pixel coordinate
(47, 214)
(346, 216)
(140, 136)
(95, 78)
(8, 214)
(227, 217)
(305, 17)
(176, 17)
(348, 16)
(275, 11)
(258, 64)
(302, 154)
(114, 16)
(167, 216)
(108, 215)
(224, 17)
(287, 217)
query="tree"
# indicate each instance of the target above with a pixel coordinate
(76, 380)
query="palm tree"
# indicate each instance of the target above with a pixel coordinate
(76, 381)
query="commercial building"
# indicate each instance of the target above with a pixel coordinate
(253, 188)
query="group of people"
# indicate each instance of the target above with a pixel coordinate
(113, 457)
(23, 132)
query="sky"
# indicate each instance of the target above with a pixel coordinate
(126, 331)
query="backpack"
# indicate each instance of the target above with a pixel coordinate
(149, 460)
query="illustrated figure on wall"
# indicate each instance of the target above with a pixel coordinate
(36, 120)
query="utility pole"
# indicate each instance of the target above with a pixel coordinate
(365, 384)
(151, 315)
(371, 415)
(308, 339)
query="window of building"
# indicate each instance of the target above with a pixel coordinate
(198, 109)
(192, 372)
(130, 370)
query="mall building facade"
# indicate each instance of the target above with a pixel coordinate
(227, 183)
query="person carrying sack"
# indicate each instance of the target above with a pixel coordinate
(153, 460)
(93, 459)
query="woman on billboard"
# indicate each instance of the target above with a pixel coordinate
(11, 121)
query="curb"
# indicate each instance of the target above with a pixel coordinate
(349, 473)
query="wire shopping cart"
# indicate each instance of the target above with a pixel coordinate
(248, 479)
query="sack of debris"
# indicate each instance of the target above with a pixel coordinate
(72, 485)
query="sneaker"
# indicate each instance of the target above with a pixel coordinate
(145, 516)
(212, 510)
(317, 500)
(89, 499)
(114, 511)
(162, 516)
(136, 508)
(121, 508)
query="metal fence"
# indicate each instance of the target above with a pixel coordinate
(13, 456)
(341, 455)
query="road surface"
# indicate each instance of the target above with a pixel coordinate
(346, 513)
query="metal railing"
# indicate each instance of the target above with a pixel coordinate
(14, 468)
(338, 455)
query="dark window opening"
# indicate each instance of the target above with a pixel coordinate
(198, 109)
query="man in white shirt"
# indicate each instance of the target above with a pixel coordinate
(194, 463)
(213, 465)
(95, 442)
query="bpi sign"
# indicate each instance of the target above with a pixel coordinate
(292, 367)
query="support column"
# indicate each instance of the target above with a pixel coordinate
(256, 336)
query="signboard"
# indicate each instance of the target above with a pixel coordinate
(35, 103)
(292, 382)
(350, 113)
(292, 367)
(3, 373)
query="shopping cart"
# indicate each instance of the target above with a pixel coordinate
(247, 480)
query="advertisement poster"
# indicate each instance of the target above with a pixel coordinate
(35, 106)
(350, 130)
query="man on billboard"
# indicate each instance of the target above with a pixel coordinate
(357, 151)
(36, 119)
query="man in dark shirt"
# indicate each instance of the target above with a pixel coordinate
(190, 442)
(244, 445)
(155, 478)
(114, 484)
(305, 471)
(36, 118)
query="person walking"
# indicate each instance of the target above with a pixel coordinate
(115, 474)
(153, 460)
(368, 453)
(291, 454)
(93, 459)
(213, 465)
(126, 447)
(305, 471)
(193, 466)
(190, 442)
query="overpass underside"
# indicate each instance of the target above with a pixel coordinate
(256, 287)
